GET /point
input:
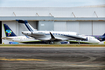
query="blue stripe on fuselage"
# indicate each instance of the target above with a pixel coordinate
(65, 35)
(29, 28)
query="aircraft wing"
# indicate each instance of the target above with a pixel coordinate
(53, 38)
(41, 36)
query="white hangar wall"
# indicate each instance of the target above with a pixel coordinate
(46, 25)
(98, 28)
(87, 28)
(60, 26)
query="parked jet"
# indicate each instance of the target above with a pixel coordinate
(54, 36)
(100, 37)
(11, 36)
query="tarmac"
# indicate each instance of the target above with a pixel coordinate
(52, 58)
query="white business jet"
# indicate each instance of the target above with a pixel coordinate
(54, 36)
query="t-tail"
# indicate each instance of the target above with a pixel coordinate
(8, 31)
(103, 37)
(29, 27)
(103, 34)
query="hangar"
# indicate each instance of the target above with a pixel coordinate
(83, 20)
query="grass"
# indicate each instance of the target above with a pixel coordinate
(51, 45)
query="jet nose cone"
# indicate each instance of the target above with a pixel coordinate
(98, 41)
(93, 40)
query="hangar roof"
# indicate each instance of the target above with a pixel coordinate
(50, 18)
(53, 13)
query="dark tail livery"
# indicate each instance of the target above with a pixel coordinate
(103, 34)
(8, 31)
(29, 27)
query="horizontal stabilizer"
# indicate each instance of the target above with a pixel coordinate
(22, 21)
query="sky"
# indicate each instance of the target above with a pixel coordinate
(50, 3)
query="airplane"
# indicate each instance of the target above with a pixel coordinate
(11, 36)
(100, 37)
(54, 36)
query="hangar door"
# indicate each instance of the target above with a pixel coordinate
(66, 26)
(46, 25)
(60, 26)
(85, 28)
(1, 32)
(98, 28)
(73, 26)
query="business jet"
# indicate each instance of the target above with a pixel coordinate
(101, 38)
(11, 36)
(54, 36)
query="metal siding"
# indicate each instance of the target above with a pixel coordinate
(73, 26)
(33, 24)
(55, 11)
(60, 26)
(35, 18)
(46, 25)
(85, 28)
(98, 28)
(50, 18)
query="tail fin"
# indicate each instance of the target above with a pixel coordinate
(103, 34)
(8, 31)
(29, 27)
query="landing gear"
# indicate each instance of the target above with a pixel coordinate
(50, 42)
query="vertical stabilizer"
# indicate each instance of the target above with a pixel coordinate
(8, 31)
(103, 34)
(29, 27)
